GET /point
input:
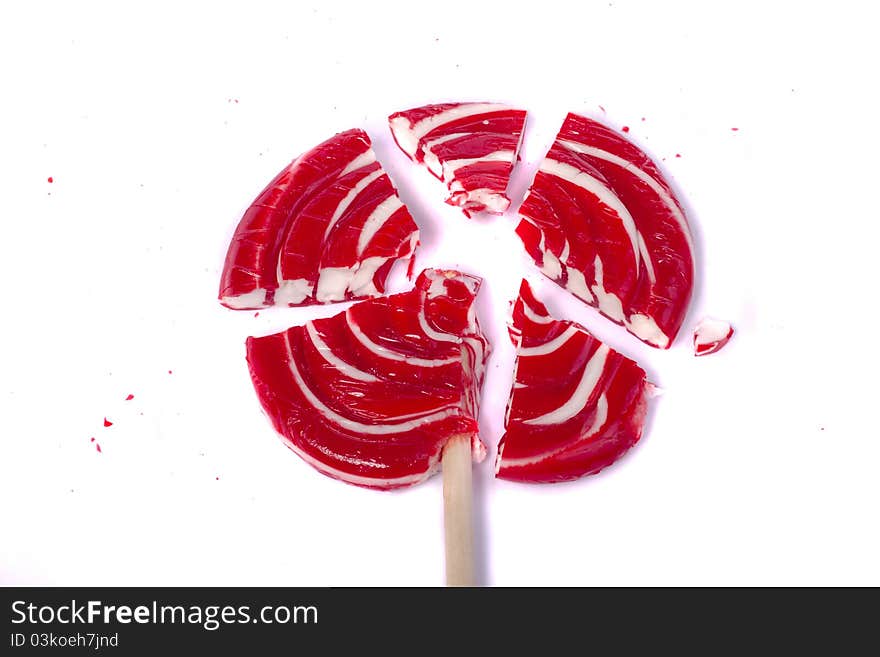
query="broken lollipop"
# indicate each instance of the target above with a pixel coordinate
(380, 395)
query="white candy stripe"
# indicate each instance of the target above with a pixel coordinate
(347, 369)
(404, 137)
(533, 316)
(433, 333)
(608, 302)
(361, 283)
(658, 188)
(295, 290)
(352, 425)
(430, 159)
(645, 328)
(248, 301)
(385, 352)
(429, 123)
(433, 163)
(364, 159)
(566, 251)
(551, 345)
(377, 217)
(598, 422)
(646, 258)
(607, 196)
(579, 398)
(438, 284)
(710, 330)
(361, 480)
(333, 282)
(542, 245)
(550, 265)
(350, 197)
(577, 285)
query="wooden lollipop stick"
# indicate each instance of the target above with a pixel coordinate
(458, 511)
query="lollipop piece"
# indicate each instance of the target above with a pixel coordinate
(601, 221)
(469, 146)
(710, 335)
(576, 405)
(372, 395)
(328, 228)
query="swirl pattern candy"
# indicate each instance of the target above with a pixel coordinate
(371, 396)
(469, 146)
(601, 221)
(576, 405)
(328, 228)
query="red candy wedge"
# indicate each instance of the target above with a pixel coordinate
(601, 221)
(328, 228)
(576, 405)
(469, 146)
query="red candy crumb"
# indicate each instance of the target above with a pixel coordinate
(625, 128)
(735, 129)
(50, 179)
(107, 423)
(129, 398)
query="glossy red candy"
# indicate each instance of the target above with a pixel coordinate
(576, 405)
(601, 221)
(469, 146)
(371, 396)
(328, 228)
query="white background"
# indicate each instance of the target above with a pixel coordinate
(159, 124)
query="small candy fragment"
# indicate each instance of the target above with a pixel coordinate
(711, 335)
